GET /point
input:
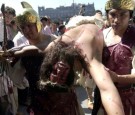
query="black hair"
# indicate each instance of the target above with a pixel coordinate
(43, 18)
(10, 10)
(65, 52)
(98, 11)
(61, 27)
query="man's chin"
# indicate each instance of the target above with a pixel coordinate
(116, 29)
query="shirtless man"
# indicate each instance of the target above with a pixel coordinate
(89, 39)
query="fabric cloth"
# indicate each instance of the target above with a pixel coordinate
(56, 104)
(46, 30)
(118, 58)
(20, 40)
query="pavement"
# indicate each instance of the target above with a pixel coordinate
(82, 97)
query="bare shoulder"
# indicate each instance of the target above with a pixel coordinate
(92, 32)
(94, 37)
(89, 27)
(85, 31)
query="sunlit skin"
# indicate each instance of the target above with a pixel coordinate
(8, 18)
(91, 46)
(117, 38)
(29, 30)
(119, 20)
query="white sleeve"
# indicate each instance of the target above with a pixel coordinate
(133, 61)
(133, 66)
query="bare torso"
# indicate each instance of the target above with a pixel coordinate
(85, 39)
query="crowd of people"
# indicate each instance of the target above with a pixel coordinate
(45, 59)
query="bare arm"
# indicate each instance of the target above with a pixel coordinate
(85, 37)
(36, 49)
(109, 94)
(24, 51)
(128, 79)
(122, 79)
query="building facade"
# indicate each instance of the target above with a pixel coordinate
(65, 12)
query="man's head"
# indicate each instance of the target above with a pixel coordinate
(98, 15)
(98, 12)
(9, 14)
(28, 21)
(29, 15)
(59, 62)
(62, 29)
(120, 4)
(119, 13)
(44, 21)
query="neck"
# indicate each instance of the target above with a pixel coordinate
(120, 32)
(37, 40)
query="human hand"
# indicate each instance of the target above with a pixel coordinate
(6, 56)
(113, 75)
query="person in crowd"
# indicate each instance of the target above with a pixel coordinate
(54, 28)
(29, 24)
(8, 95)
(46, 29)
(118, 54)
(61, 29)
(98, 14)
(10, 25)
(44, 22)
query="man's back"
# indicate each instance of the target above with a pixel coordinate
(89, 39)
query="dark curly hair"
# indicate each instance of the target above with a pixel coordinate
(62, 51)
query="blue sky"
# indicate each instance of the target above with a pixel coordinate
(52, 3)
